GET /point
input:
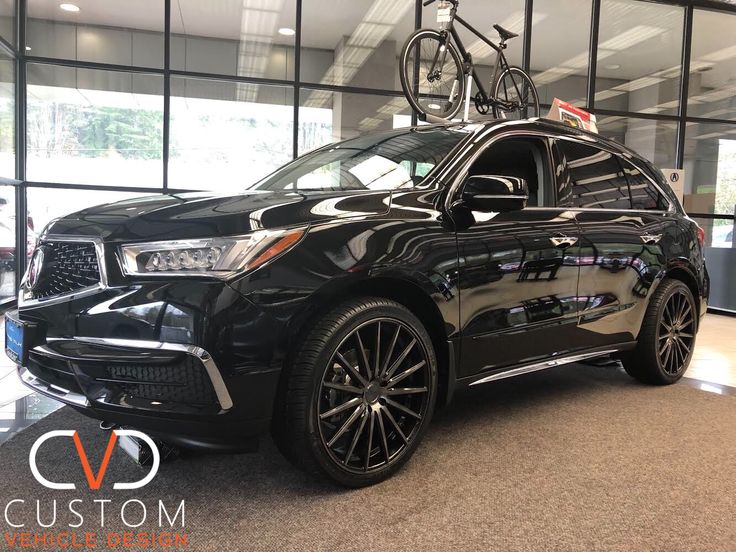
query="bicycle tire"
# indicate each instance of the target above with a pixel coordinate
(407, 78)
(521, 74)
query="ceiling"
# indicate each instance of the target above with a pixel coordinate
(637, 39)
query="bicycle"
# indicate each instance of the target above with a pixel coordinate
(436, 86)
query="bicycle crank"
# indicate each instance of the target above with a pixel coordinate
(481, 105)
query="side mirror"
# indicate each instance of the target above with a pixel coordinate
(495, 193)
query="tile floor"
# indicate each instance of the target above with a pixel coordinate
(713, 368)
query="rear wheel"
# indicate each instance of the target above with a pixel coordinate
(516, 88)
(359, 394)
(431, 86)
(667, 337)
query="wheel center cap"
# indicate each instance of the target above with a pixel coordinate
(372, 392)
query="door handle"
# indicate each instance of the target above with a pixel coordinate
(563, 241)
(651, 239)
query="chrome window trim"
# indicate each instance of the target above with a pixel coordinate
(213, 372)
(76, 294)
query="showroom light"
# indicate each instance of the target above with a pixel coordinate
(286, 31)
(28, 48)
(433, 106)
(69, 7)
(613, 66)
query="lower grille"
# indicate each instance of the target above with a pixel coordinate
(185, 382)
(67, 267)
(53, 371)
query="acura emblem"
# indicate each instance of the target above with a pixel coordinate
(34, 268)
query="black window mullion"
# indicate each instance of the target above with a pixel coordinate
(297, 79)
(595, 19)
(687, 40)
(527, 49)
(167, 92)
(21, 198)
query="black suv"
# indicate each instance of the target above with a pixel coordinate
(343, 297)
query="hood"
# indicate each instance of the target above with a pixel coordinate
(198, 215)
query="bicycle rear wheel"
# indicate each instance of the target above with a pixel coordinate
(515, 87)
(429, 88)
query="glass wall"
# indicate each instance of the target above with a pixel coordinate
(87, 126)
(8, 257)
(249, 84)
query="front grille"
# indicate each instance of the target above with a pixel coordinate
(185, 382)
(67, 267)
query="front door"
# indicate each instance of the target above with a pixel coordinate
(518, 272)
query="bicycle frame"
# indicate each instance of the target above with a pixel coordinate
(500, 66)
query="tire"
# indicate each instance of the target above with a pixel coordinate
(662, 356)
(325, 375)
(421, 101)
(504, 89)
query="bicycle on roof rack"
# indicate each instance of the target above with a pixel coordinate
(437, 73)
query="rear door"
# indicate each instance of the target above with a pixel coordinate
(621, 252)
(518, 270)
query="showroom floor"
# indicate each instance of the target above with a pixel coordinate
(576, 457)
(713, 369)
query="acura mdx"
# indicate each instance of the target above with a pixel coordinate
(341, 299)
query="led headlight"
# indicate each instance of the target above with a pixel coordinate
(216, 257)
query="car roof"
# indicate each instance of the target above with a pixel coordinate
(547, 126)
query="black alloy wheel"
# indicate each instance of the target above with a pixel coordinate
(667, 337)
(359, 392)
(676, 333)
(374, 395)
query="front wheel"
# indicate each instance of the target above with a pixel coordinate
(431, 75)
(516, 96)
(359, 393)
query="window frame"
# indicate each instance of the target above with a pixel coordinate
(619, 156)
(456, 182)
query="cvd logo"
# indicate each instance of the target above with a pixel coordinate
(94, 481)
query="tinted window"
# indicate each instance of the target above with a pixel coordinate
(644, 195)
(593, 179)
(525, 158)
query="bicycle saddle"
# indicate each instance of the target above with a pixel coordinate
(503, 33)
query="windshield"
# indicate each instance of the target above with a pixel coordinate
(386, 161)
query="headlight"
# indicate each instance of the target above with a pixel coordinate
(216, 257)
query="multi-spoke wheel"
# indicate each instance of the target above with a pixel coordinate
(667, 337)
(360, 392)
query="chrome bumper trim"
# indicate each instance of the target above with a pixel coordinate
(223, 396)
(53, 391)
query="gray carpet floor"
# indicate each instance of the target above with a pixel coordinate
(575, 458)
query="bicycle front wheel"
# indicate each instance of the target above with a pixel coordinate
(432, 78)
(516, 96)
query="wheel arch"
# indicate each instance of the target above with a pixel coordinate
(404, 291)
(686, 275)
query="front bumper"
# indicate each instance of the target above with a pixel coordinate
(126, 373)
(189, 362)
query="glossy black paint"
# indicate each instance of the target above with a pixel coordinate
(495, 290)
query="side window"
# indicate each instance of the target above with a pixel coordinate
(526, 158)
(595, 178)
(644, 194)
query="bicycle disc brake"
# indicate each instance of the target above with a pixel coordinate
(480, 104)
